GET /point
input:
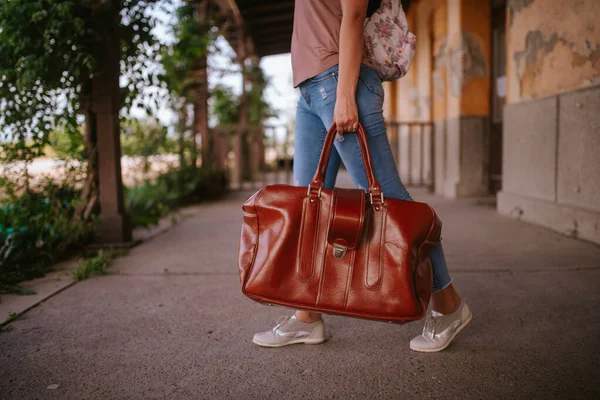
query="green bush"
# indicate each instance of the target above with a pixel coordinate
(37, 228)
(149, 202)
(66, 145)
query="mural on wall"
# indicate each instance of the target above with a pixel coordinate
(440, 62)
(414, 99)
(552, 50)
(467, 61)
(410, 107)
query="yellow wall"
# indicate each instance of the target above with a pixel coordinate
(454, 63)
(450, 75)
(468, 55)
(423, 57)
(440, 59)
(476, 27)
(553, 46)
(408, 96)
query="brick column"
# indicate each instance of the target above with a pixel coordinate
(115, 226)
(243, 117)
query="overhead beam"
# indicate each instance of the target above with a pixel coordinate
(273, 49)
(232, 7)
(275, 37)
(268, 32)
(285, 43)
(270, 8)
(258, 21)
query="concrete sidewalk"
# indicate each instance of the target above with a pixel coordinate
(170, 322)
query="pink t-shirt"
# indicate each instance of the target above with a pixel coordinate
(315, 40)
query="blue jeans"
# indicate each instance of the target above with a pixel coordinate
(313, 119)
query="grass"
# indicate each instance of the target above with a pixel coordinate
(6, 289)
(96, 265)
(5, 326)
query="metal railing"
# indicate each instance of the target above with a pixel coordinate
(267, 153)
(413, 144)
(265, 157)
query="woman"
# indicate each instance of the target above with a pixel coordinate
(337, 87)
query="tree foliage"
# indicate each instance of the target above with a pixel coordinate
(258, 108)
(194, 40)
(49, 50)
(145, 137)
(225, 104)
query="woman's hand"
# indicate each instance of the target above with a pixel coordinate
(345, 114)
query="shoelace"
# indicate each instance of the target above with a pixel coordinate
(430, 326)
(280, 321)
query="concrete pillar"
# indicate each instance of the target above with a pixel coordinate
(439, 88)
(419, 158)
(467, 98)
(115, 226)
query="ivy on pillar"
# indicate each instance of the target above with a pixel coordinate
(200, 77)
(115, 226)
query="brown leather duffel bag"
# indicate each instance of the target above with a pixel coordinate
(340, 251)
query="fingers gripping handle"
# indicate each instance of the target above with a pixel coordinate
(317, 183)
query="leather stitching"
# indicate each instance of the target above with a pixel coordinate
(378, 282)
(361, 221)
(301, 244)
(324, 259)
(315, 239)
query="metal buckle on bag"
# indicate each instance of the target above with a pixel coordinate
(371, 198)
(339, 251)
(318, 193)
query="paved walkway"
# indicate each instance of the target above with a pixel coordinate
(170, 322)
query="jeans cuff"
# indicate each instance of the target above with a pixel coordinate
(436, 289)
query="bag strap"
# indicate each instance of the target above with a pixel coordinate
(317, 183)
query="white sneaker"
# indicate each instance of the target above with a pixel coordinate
(289, 330)
(439, 330)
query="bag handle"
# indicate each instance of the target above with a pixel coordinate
(317, 183)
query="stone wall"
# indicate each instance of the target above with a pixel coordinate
(553, 47)
(551, 166)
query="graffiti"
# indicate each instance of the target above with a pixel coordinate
(532, 62)
(466, 62)
(535, 43)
